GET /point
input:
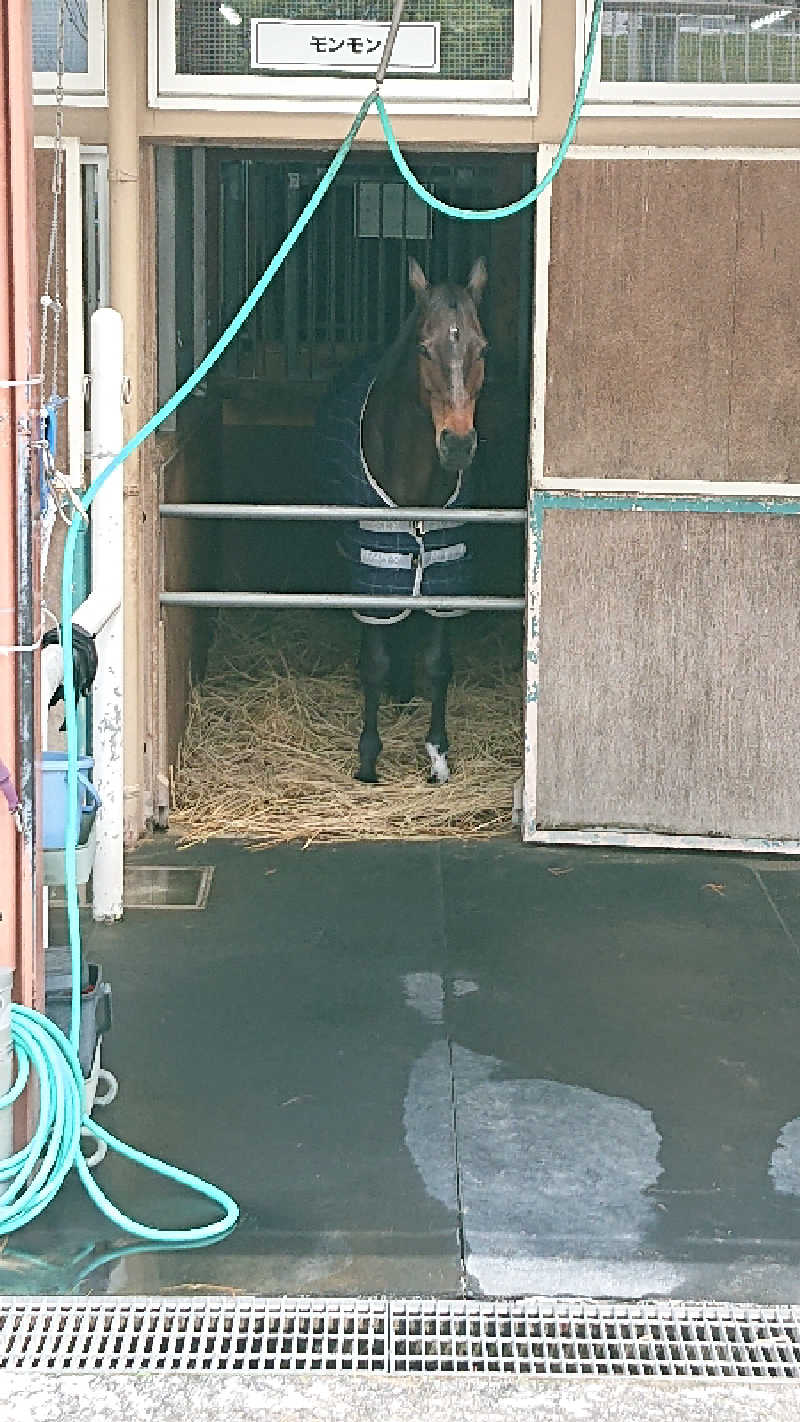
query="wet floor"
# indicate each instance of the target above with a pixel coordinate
(452, 1068)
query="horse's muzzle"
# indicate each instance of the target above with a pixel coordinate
(457, 451)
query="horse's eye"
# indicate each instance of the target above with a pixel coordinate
(423, 351)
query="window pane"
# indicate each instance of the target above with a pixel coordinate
(708, 42)
(45, 36)
(476, 37)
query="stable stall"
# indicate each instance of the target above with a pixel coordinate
(264, 747)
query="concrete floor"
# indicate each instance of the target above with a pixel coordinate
(331, 1397)
(453, 1068)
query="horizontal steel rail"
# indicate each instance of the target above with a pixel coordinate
(361, 602)
(341, 513)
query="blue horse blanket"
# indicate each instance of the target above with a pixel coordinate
(396, 557)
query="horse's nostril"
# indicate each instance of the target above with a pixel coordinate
(457, 443)
(456, 451)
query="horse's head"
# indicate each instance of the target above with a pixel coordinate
(450, 346)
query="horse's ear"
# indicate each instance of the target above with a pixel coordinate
(417, 279)
(477, 279)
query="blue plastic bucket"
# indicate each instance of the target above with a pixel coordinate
(54, 796)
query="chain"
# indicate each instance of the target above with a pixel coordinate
(386, 55)
(53, 269)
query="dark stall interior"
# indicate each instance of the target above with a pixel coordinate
(341, 295)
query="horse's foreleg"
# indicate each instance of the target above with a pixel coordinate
(401, 677)
(373, 665)
(438, 671)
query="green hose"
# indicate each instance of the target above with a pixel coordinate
(492, 214)
(37, 1171)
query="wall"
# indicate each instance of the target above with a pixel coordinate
(457, 130)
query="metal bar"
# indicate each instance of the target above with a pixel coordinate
(166, 318)
(28, 619)
(73, 262)
(348, 600)
(199, 285)
(311, 303)
(381, 297)
(341, 513)
(380, 72)
(525, 316)
(248, 265)
(291, 301)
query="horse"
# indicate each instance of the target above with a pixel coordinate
(402, 432)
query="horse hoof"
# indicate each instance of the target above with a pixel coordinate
(367, 777)
(440, 770)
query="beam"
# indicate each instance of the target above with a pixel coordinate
(342, 513)
(361, 602)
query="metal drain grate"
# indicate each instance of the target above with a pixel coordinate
(164, 1335)
(167, 886)
(602, 1340)
(540, 1337)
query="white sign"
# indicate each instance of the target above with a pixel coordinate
(342, 44)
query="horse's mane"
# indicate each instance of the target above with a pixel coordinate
(395, 355)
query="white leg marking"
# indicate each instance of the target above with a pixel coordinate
(440, 770)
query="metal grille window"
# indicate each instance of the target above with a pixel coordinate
(708, 42)
(84, 47)
(476, 43)
(482, 50)
(76, 35)
(344, 289)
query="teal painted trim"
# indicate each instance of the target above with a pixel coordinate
(778, 507)
(534, 585)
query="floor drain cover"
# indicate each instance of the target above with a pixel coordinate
(157, 886)
(537, 1337)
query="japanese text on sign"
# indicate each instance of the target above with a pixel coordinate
(342, 44)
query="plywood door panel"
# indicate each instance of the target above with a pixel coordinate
(765, 367)
(670, 673)
(641, 319)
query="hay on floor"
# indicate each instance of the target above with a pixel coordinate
(270, 743)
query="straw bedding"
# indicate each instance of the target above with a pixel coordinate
(270, 743)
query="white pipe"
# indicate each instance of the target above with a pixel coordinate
(102, 612)
(73, 255)
(101, 604)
